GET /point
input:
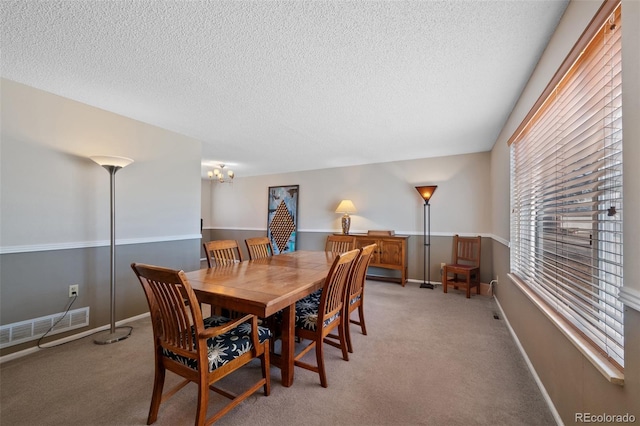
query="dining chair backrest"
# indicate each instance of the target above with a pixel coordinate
(259, 247)
(340, 243)
(222, 252)
(333, 291)
(355, 293)
(359, 272)
(173, 307)
(466, 250)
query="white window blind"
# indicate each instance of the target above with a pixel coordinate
(566, 194)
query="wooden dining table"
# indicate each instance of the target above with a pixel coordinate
(264, 287)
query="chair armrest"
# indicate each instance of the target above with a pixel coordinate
(221, 329)
(258, 348)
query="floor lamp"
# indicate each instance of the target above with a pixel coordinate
(426, 192)
(114, 334)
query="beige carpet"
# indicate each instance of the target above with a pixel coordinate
(429, 359)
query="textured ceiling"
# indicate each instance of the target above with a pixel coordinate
(277, 86)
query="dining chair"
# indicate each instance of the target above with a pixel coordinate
(355, 293)
(464, 269)
(202, 351)
(318, 314)
(259, 247)
(222, 252)
(340, 243)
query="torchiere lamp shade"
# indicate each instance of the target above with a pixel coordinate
(111, 160)
(426, 192)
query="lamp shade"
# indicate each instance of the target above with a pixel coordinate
(426, 192)
(346, 206)
(110, 160)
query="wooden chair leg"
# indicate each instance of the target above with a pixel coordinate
(264, 363)
(363, 326)
(203, 403)
(343, 339)
(320, 362)
(156, 397)
(347, 329)
(361, 316)
(468, 280)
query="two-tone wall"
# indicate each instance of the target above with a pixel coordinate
(385, 197)
(55, 211)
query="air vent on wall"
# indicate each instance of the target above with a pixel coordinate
(24, 331)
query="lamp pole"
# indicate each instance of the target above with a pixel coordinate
(426, 192)
(114, 334)
(426, 250)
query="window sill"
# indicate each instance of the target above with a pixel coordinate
(606, 368)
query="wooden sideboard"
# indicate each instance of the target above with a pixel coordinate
(391, 253)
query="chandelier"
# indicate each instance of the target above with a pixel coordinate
(219, 175)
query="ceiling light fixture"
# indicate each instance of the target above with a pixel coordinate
(219, 175)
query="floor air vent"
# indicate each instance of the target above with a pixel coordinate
(24, 331)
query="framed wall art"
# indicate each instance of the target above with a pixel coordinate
(282, 218)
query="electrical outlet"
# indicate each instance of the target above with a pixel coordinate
(73, 290)
(442, 265)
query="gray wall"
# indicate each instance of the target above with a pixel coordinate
(571, 381)
(55, 210)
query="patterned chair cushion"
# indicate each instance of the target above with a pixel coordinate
(312, 299)
(225, 347)
(355, 299)
(307, 312)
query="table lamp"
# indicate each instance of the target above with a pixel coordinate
(346, 207)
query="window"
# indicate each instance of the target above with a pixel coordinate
(566, 190)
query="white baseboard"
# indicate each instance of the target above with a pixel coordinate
(545, 395)
(71, 338)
